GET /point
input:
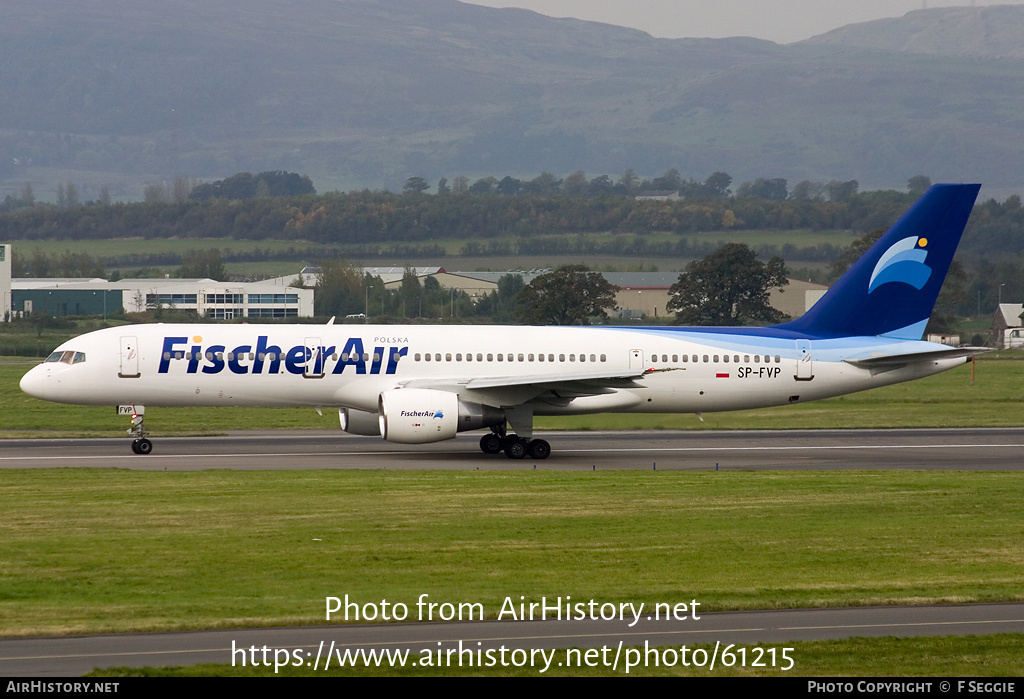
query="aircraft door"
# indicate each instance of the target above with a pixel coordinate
(129, 358)
(315, 363)
(804, 362)
(636, 359)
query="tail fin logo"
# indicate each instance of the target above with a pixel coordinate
(903, 262)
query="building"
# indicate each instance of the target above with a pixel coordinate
(205, 297)
(1007, 331)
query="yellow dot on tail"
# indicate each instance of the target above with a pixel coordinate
(922, 242)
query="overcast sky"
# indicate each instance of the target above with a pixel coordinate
(783, 21)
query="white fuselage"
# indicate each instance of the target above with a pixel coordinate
(689, 370)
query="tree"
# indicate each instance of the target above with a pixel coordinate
(575, 185)
(853, 252)
(629, 181)
(805, 190)
(509, 186)
(570, 295)
(769, 188)
(717, 184)
(460, 185)
(918, 184)
(484, 185)
(841, 191)
(411, 291)
(728, 287)
(671, 180)
(415, 185)
(339, 289)
(202, 264)
(500, 303)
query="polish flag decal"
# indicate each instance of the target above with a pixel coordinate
(721, 376)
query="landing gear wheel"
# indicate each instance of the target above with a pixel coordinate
(490, 443)
(515, 448)
(539, 449)
(142, 446)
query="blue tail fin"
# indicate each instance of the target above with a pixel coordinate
(891, 289)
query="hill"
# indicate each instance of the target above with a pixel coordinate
(365, 93)
(980, 32)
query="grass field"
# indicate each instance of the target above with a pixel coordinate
(103, 550)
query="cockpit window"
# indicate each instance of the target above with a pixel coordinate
(68, 357)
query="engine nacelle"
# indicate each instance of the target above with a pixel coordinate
(359, 422)
(421, 415)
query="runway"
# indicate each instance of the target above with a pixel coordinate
(320, 646)
(958, 449)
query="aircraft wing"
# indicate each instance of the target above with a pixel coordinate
(506, 390)
(893, 361)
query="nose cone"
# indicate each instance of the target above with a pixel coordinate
(34, 382)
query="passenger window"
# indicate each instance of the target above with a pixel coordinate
(725, 358)
(501, 357)
(448, 357)
(490, 357)
(521, 358)
(778, 359)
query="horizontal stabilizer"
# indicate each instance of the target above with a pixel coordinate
(905, 358)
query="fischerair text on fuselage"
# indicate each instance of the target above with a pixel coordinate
(418, 384)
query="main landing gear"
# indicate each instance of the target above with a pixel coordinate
(140, 445)
(514, 447)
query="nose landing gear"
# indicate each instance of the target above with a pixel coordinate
(140, 444)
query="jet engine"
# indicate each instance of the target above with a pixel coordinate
(360, 422)
(421, 415)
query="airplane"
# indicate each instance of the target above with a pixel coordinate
(422, 384)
